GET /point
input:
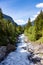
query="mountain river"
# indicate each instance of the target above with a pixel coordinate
(19, 56)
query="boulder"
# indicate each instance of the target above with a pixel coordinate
(35, 60)
(42, 62)
(30, 47)
(3, 50)
(10, 48)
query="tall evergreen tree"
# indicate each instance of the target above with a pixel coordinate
(1, 14)
(28, 24)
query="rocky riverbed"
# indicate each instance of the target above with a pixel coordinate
(25, 54)
(36, 50)
(5, 50)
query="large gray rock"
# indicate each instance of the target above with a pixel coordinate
(2, 52)
(10, 48)
(30, 47)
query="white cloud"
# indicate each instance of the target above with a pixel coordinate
(39, 5)
(20, 22)
(34, 16)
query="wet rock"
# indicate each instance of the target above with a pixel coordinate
(24, 48)
(30, 56)
(35, 60)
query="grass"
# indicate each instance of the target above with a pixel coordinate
(40, 40)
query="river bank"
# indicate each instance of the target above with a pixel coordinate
(37, 50)
(5, 50)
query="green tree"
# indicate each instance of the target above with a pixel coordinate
(1, 14)
(29, 23)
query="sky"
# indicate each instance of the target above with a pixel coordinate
(21, 10)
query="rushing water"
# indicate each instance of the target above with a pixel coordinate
(18, 57)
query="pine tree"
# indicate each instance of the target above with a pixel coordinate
(1, 14)
(28, 24)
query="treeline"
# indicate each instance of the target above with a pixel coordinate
(34, 30)
(9, 31)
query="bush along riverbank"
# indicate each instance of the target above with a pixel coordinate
(9, 32)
